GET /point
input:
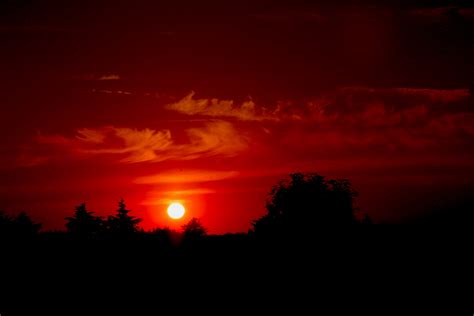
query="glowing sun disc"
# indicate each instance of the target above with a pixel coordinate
(176, 210)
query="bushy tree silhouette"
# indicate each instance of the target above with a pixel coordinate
(21, 226)
(194, 229)
(122, 222)
(83, 222)
(305, 202)
(25, 226)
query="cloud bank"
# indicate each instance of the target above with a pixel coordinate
(347, 120)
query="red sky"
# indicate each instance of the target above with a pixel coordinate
(211, 104)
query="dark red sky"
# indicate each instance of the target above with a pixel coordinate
(211, 102)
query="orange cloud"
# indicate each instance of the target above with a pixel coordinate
(109, 77)
(247, 111)
(115, 92)
(148, 145)
(346, 119)
(217, 138)
(90, 135)
(326, 108)
(92, 77)
(188, 176)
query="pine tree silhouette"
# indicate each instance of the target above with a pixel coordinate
(122, 223)
(84, 222)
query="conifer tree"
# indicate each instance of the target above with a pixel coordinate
(84, 222)
(122, 222)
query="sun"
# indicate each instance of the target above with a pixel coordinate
(176, 210)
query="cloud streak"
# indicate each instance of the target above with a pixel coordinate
(216, 138)
(187, 176)
(247, 111)
(326, 107)
(109, 77)
(96, 77)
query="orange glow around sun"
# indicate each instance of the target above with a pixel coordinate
(176, 210)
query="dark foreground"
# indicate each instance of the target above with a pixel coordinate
(378, 268)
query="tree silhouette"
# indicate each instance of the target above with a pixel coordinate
(84, 222)
(305, 202)
(25, 226)
(121, 222)
(6, 223)
(194, 229)
(19, 226)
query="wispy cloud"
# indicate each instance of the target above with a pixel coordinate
(187, 176)
(321, 108)
(98, 77)
(109, 77)
(216, 138)
(116, 92)
(180, 193)
(247, 111)
(352, 119)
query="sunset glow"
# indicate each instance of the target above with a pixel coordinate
(210, 103)
(152, 146)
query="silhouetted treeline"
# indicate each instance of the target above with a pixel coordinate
(303, 204)
(311, 233)
(85, 224)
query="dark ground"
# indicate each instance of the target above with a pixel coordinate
(381, 268)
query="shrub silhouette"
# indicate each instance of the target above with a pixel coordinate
(194, 229)
(122, 223)
(305, 202)
(84, 223)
